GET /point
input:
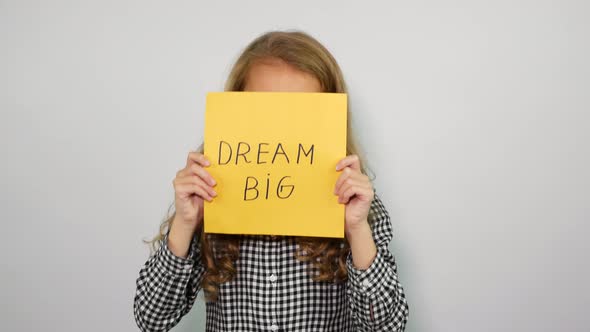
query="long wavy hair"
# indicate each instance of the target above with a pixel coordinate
(326, 256)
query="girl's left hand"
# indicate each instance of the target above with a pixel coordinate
(354, 189)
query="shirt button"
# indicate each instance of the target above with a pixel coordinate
(272, 278)
(366, 283)
(274, 327)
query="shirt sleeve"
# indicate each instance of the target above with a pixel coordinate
(376, 297)
(167, 287)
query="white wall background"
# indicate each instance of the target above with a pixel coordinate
(474, 115)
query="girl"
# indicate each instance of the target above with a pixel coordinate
(276, 283)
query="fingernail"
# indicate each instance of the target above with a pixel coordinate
(213, 182)
(207, 163)
(214, 193)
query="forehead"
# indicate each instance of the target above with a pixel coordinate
(275, 75)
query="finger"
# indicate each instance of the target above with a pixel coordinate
(348, 175)
(351, 191)
(344, 176)
(347, 193)
(203, 174)
(198, 181)
(358, 185)
(189, 190)
(198, 158)
(350, 182)
(187, 171)
(357, 180)
(185, 190)
(351, 161)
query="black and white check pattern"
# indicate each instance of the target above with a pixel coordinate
(273, 291)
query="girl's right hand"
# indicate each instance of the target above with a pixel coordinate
(192, 185)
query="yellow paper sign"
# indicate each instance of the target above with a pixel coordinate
(274, 155)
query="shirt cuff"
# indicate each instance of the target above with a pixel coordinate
(367, 281)
(179, 266)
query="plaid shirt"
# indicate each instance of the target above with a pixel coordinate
(273, 291)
